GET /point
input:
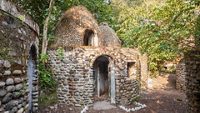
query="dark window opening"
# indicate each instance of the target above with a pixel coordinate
(131, 70)
(88, 38)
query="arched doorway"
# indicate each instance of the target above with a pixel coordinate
(104, 78)
(31, 75)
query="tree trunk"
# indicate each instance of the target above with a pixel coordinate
(45, 28)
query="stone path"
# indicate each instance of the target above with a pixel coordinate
(103, 105)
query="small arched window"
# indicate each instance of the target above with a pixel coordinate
(88, 38)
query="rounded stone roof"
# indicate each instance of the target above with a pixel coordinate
(72, 26)
(109, 37)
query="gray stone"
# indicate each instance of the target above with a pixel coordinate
(1, 62)
(9, 81)
(6, 64)
(9, 106)
(20, 110)
(20, 101)
(19, 106)
(7, 72)
(24, 104)
(2, 93)
(7, 98)
(2, 84)
(17, 80)
(17, 72)
(10, 88)
(16, 94)
(77, 105)
(35, 104)
(12, 53)
(1, 109)
(18, 87)
(14, 109)
(70, 109)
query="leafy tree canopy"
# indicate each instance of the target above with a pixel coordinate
(161, 28)
(38, 9)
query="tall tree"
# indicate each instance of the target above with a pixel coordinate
(45, 28)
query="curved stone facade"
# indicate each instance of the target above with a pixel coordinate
(109, 37)
(18, 54)
(75, 70)
(193, 81)
(72, 29)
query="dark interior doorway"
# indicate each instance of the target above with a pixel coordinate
(101, 75)
(31, 74)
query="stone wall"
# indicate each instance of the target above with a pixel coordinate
(180, 76)
(18, 43)
(193, 81)
(144, 70)
(74, 73)
(13, 89)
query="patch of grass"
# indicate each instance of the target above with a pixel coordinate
(47, 98)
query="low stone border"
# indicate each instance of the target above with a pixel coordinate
(140, 106)
(84, 109)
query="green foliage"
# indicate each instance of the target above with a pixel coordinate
(45, 76)
(43, 58)
(102, 11)
(47, 98)
(159, 28)
(47, 83)
(38, 9)
(60, 53)
(35, 8)
(197, 32)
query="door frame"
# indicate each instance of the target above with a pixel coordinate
(111, 78)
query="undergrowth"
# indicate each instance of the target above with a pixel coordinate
(47, 83)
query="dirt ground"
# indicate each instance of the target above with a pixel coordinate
(161, 98)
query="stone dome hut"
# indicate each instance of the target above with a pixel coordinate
(109, 37)
(18, 58)
(92, 67)
(77, 27)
